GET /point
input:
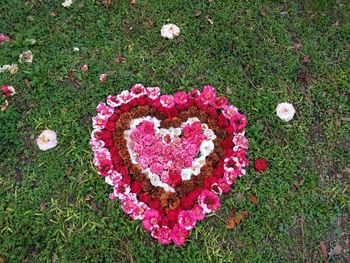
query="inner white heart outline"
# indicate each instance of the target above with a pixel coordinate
(206, 148)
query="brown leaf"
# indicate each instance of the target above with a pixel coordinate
(53, 14)
(106, 3)
(81, 5)
(306, 59)
(94, 206)
(239, 196)
(2, 260)
(238, 218)
(302, 77)
(26, 83)
(120, 59)
(330, 111)
(197, 13)
(253, 199)
(230, 223)
(244, 213)
(133, 2)
(232, 213)
(297, 46)
(323, 250)
(54, 257)
(42, 205)
(5, 105)
(263, 13)
(209, 20)
(336, 250)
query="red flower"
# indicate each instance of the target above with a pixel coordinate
(155, 204)
(136, 187)
(260, 164)
(106, 135)
(187, 203)
(144, 198)
(174, 179)
(110, 126)
(125, 108)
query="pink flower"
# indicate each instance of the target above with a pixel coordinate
(113, 101)
(208, 95)
(163, 235)
(128, 204)
(115, 177)
(156, 168)
(153, 92)
(104, 110)
(4, 38)
(139, 211)
(198, 212)
(144, 161)
(138, 90)
(186, 219)
(180, 97)
(121, 190)
(96, 144)
(102, 78)
(220, 102)
(151, 218)
(178, 235)
(100, 156)
(241, 141)
(105, 168)
(167, 101)
(124, 96)
(193, 94)
(238, 122)
(8, 91)
(209, 201)
(84, 68)
(229, 111)
(98, 122)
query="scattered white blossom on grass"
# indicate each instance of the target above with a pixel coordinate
(76, 49)
(170, 31)
(285, 111)
(67, 3)
(47, 140)
(26, 57)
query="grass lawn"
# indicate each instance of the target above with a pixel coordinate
(55, 207)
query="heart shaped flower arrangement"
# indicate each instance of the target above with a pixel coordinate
(169, 157)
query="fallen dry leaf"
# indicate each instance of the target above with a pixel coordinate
(26, 83)
(54, 257)
(330, 111)
(42, 205)
(323, 250)
(133, 2)
(253, 199)
(120, 59)
(230, 223)
(106, 3)
(302, 77)
(94, 206)
(306, 59)
(263, 13)
(244, 213)
(209, 20)
(297, 46)
(2, 260)
(197, 13)
(4, 106)
(336, 251)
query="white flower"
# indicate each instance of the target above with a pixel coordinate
(67, 3)
(26, 56)
(285, 111)
(186, 174)
(206, 147)
(47, 140)
(76, 49)
(170, 31)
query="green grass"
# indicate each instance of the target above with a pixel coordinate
(302, 199)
